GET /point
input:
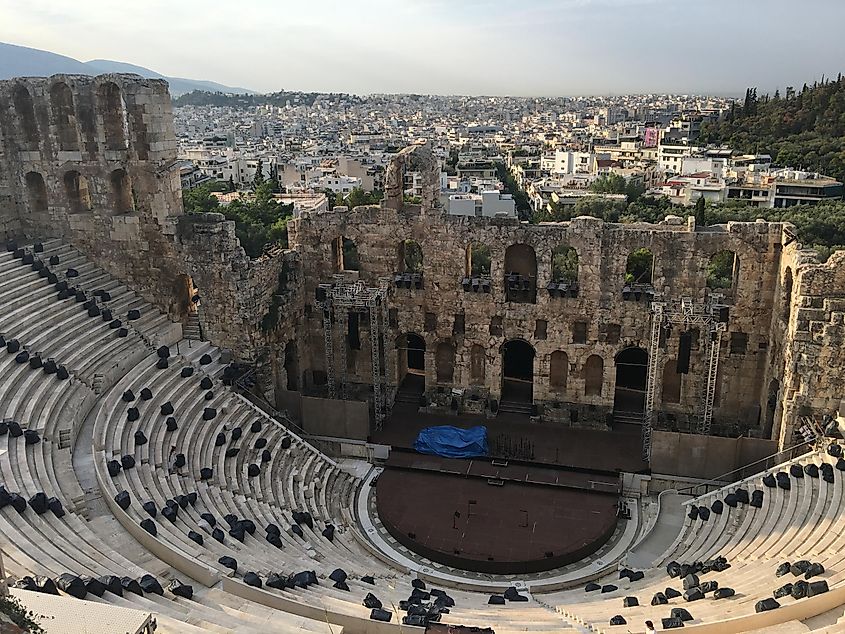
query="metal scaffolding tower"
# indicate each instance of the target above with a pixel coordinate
(336, 300)
(688, 313)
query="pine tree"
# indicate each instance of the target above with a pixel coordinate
(259, 175)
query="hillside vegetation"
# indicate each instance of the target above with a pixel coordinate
(803, 129)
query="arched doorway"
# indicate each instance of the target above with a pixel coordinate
(521, 274)
(410, 357)
(518, 371)
(631, 371)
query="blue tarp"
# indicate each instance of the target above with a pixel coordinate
(452, 442)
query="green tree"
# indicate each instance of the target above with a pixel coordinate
(565, 264)
(700, 211)
(258, 179)
(521, 200)
(200, 199)
(358, 197)
(610, 184)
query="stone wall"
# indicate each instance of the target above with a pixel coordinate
(442, 312)
(93, 160)
(812, 319)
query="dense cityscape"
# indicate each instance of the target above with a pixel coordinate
(422, 317)
(538, 159)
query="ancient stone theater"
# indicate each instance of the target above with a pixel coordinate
(406, 420)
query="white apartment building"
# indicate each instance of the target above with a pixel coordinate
(338, 184)
(568, 162)
(488, 204)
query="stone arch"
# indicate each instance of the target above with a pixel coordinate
(415, 158)
(25, 111)
(518, 370)
(639, 267)
(671, 383)
(558, 370)
(36, 191)
(76, 190)
(478, 260)
(723, 272)
(521, 273)
(186, 296)
(565, 264)
(444, 362)
(477, 364)
(410, 360)
(410, 256)
(121, 189)
(630, 386)
(64, 116)
(113, 110)
(349, 255)
(786, 296)
(593, 375)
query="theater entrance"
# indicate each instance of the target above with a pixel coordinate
(518, 371)
(631, 373)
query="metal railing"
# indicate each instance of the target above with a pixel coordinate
(746, 471)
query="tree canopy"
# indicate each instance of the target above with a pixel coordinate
(259, 221)
(805, 129)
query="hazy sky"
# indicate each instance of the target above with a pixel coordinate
(524, 47)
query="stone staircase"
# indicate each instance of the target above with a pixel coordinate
(632, 418)
(191, 327)
(516, 407)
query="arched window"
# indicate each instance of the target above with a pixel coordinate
(36, 191)
(25, 111)
(521, 274)
(110, 101)
(558, 370)
(723, 272)
(639, 267)
(76, 189)
(478, 260)
(410, 257)
(350, 255)
(64, 117)
(671, 382)
(565, 265)
(121, 187)
(444, 361)
(477, 363)
(593, 375)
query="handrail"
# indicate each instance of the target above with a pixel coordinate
(261, 402)
(719, 481)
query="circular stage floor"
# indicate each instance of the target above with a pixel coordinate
(511, 529)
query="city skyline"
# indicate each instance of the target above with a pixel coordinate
(536, 48)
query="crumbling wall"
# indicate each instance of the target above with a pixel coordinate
(812, 318)
(443, 312)
(414, 158)
(92, 160)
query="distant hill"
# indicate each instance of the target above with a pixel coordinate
(803, 128)
(21, 61)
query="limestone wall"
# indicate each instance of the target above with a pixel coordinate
(681, 256)
(93, 160)
(813, 318)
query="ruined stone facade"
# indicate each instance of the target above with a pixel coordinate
(93, 160)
